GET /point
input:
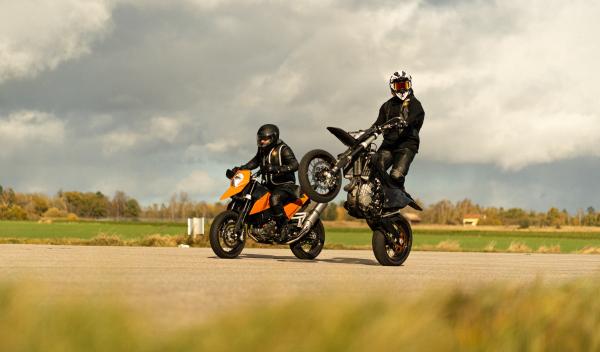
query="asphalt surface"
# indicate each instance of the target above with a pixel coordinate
(180, 285)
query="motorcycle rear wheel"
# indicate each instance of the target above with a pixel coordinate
(392, 249)
(311, 245)
(316, 179)
(223, 241)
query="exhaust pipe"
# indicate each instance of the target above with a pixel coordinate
(310, 221)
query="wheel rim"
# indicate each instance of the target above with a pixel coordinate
(228, 239)
(310, 242)
(322, 180)
(397, 245)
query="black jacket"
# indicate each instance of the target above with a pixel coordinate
(412, 112)
(283, 160)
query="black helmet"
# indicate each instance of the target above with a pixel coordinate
(267, 135)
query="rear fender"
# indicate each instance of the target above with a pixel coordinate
(343, 136)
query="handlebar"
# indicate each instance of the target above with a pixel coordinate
(397, 121)
(231, 172)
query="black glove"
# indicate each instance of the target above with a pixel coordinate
(230, 173)
(402, 123)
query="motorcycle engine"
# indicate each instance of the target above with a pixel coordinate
(266, 231)
(365, 199)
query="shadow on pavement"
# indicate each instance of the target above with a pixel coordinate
(281, 258)
(350, 261)
(294, 259)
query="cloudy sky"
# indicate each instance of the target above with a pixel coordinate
(153, 97)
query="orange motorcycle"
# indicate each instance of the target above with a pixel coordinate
(248, 214)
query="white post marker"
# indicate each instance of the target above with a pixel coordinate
(189, 232)
(198, 225)
(195, 226)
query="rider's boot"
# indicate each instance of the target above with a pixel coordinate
(282, 227)
(399, 182)
(350, 185)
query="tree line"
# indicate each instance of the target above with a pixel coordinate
(96, 205)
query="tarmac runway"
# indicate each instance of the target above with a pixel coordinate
(180, 285)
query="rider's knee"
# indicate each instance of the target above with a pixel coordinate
(275, 199)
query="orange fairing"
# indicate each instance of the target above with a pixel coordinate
(261, 204)
(238, 182)
(292, 208)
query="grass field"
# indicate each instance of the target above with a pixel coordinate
(533, 317)
(472, 240)
(425, 238)
(87, 230)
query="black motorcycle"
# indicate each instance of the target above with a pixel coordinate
(372, 194)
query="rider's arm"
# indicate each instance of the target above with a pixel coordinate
(416, 115)
(380, 118)
(290, 164)
(252, 164)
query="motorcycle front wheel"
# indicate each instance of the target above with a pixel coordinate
(311, 245)
(316, 177)
(223, 239)
(392, 249)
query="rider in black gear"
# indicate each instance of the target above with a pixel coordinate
(400, 145)
(278, 165)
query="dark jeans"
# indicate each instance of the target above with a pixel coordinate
(280, 195)
(399, 160)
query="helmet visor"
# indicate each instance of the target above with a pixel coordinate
(400, 86)
(264, 141)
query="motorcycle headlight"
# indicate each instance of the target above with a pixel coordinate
(237, 179)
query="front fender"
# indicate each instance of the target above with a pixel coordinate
(387, 224)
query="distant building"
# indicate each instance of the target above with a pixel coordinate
(412, 217)
(471, 219)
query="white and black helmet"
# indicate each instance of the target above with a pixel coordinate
(401, 84)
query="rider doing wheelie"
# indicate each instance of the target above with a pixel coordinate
(277, 164)
(400, 145)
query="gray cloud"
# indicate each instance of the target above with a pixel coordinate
(38, 36)
(159, 92)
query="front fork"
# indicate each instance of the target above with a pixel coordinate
(241, 220)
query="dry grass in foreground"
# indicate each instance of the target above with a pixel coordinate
(589, 250)
(444, 246)
(111, 240)
(498, 318)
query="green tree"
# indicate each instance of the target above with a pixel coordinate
(118, 204)
(12, 212)
(91, 205)
(330, 212)
(132, 208)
